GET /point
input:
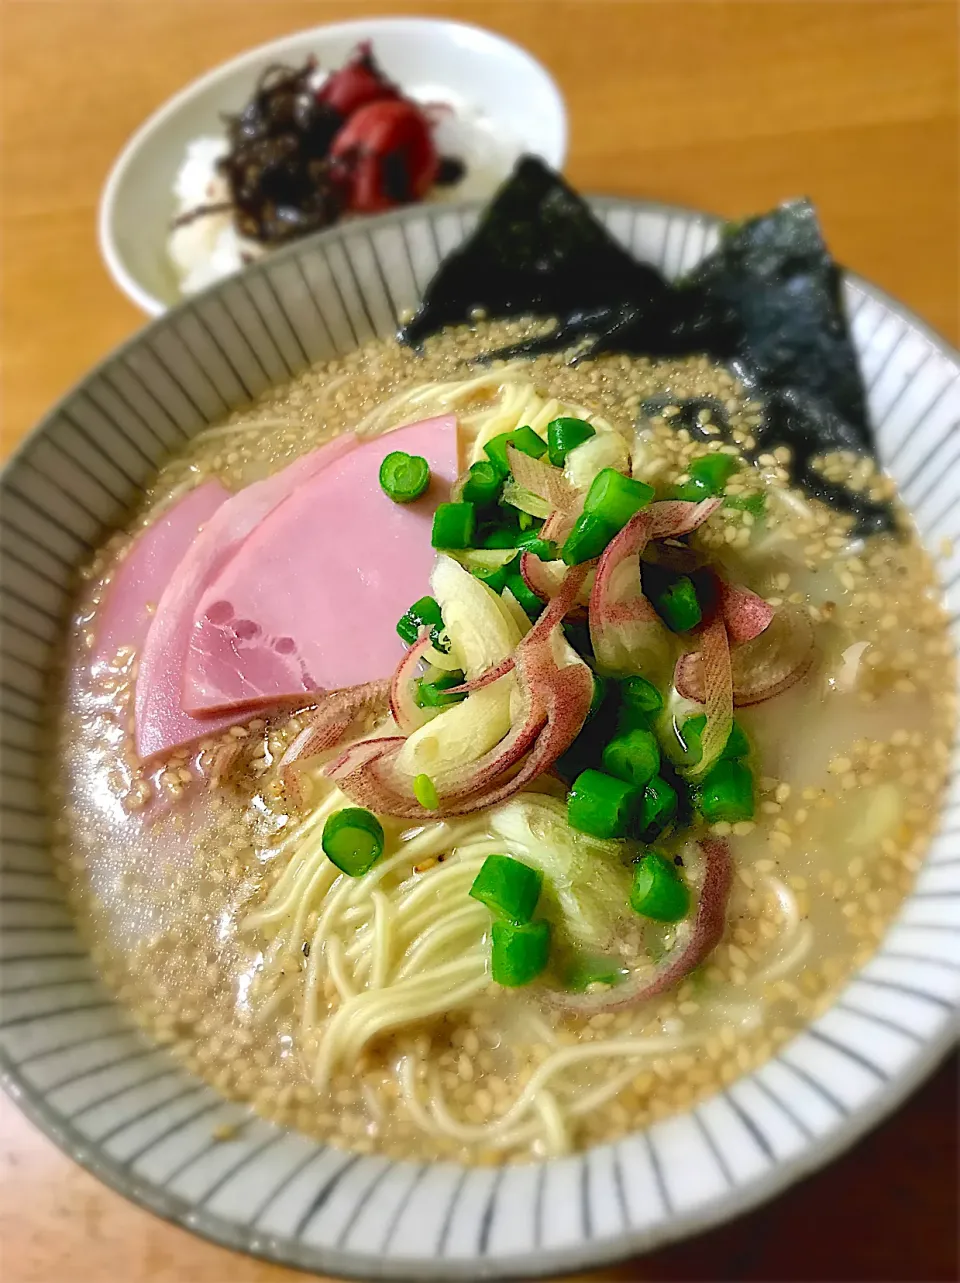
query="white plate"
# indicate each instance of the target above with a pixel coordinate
(431, 59)
(70, 1055)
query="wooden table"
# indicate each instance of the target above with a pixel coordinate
(727, 106)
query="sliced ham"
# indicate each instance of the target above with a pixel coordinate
(311, 601)
(141, 577)
(161, 723)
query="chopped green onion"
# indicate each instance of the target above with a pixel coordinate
(482, 486)
(707, 476)
(473, 559)
(616, 498)
(424, 613)
(545, 549)
(737, 745)
(601, 687)
(693, 490)
(753, 503)
(525, 595)
(408, 628)
(404, 477)
(678, 607)
(454, 525)
(500, 530)
(508, 887)
(440, 640)
(658, 890)
(726, 793)
(690, 734)
(496, 452)
(714, 470)
(436, 693)
(523, 439)
(584, 972)
(518, 954)
(633, 756)
(691, 731)
(425, 791)
(629, 720)
(500, 537)
(588, 538)
(610, 503)
(528, 442)
(601, 805)
(495, 577)
(640, 696)
(353, 840)
(564, 435)
(658, 807)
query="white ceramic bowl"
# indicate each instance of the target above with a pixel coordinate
(429, 58)
(71, 1057)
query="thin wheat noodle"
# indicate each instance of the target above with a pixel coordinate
(319, 884)
(560, 1060)
(406, 1078)
(548, 410)
(381, 940)
(267, 1006)
(367, 1015)
(445, 396)
(555, 1136)
(432, 842)
(339, 892)
(333, 951)
(538, 1027)
(473, 915)
(312, 984)
(454, 870)
(408, 930)
(274, 906)
(372, 1012)
(258, 425)
(372, 1101)
(316, 816)
(789, 961)
(787, 901)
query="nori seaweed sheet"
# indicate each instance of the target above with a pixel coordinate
(770, 295)
(537, 250)
(767, 303)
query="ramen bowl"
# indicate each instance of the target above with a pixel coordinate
(70, 1054)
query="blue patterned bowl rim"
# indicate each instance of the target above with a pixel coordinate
(73, 476)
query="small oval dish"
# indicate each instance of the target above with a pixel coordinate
(496, 102)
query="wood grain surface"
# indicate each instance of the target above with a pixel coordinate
(726, 106)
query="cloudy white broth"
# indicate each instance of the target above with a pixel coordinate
(674, 897)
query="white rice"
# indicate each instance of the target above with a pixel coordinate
(209, 247)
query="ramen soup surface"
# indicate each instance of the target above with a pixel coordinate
(361, 1010)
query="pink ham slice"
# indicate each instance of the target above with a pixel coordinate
(161, 723)
(311, 601)
(141, 577)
